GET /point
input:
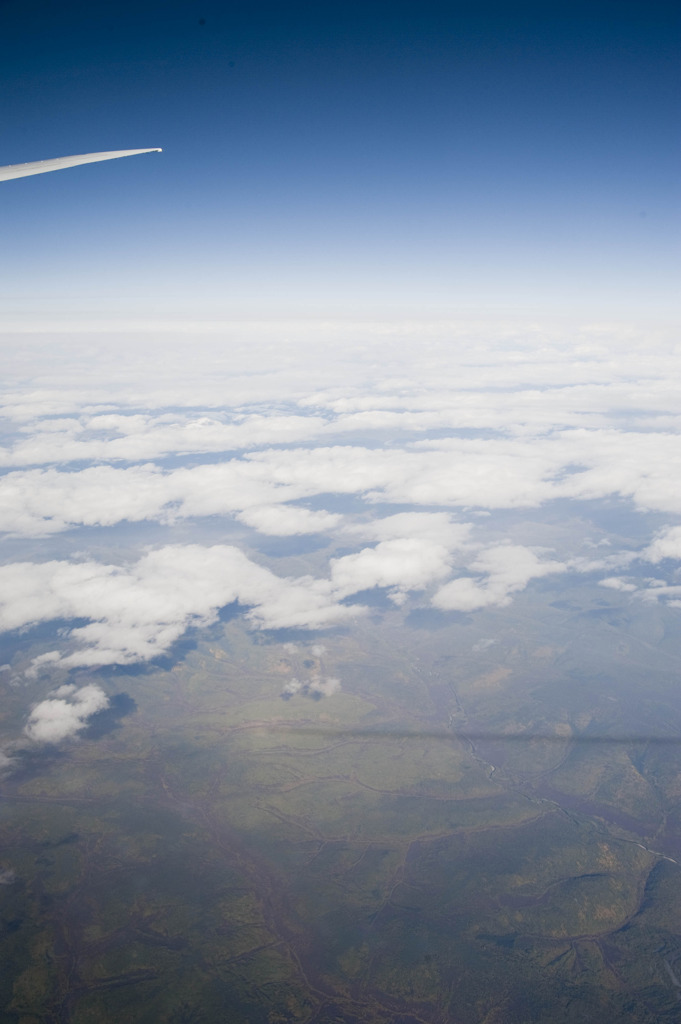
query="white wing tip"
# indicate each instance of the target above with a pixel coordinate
(58, 163)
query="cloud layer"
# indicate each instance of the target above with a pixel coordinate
(398, 446)
(136, 612)
(457, 473)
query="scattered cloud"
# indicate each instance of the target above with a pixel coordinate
(436, 527)
(667, 544)
(502, 571)
(117, 437)
(484, 645)
(316, 687)
(417, 431)
(137, 612)
(407, 563)
(65, 713)
(657, 590)
(484, 473)
(617, 583)
(288, 520)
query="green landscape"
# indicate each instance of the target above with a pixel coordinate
(477, 824)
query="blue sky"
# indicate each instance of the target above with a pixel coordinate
(381, 160)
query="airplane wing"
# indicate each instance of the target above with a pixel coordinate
(41, 166)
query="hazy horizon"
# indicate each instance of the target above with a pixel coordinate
(340, 517)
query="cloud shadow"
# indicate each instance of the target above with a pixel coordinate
(109, 719)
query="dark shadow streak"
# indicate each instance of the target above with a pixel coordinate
(475, 737)
(106, 721)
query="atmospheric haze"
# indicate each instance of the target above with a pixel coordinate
(231, 540)
(445, 465)
(341, 528)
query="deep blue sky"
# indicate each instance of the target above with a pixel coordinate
(382, 159)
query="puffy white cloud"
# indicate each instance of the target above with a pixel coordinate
(288, 520)
(508, 568)
(617, 583)
(531, 419)
(666, 545)
(482, 473)
(38, 502)
(627, 464)
(492, 473)
(65, 713)
(465, 595)
(41, 662)
(326, 686)
(407, 563)
(136, 438)
(617, 560)
(437, 527)
(463, 473)
(315, 687)
(305, 602)
(136, 612)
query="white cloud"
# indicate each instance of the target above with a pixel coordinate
(437, 527)
(38, 502)
(484, 645)
(65, 713)
(41, 662)
(657, 590)
(315, 687)
(325, 686)
(470, 473)
(136, 612)
(117, 437)
(534, 416)
(617, 560)
(508, 568)
(407, 563)
(667, 544)
(617, 583)
(288, 520)
(493, 474)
